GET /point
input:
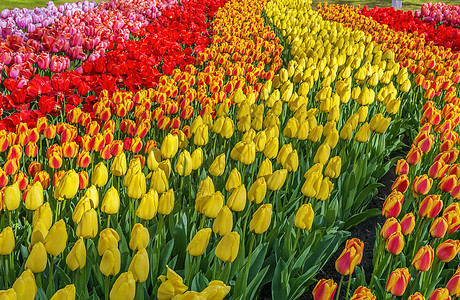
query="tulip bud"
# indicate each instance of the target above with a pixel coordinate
(139, 237)
(454, 284)
(216, 290)
(324, 290)
(184, 164)
(223, 223)
(398, 281)
(325, 189)
(304, 217)
(76, 259)
(414, 155)
(11, 197)
(148, 207)
(8, 295)
(7, 241)
(422, 185)
(233, 180)
(363, 133)
(67, 293)
(416, 296)
(55, 241)
(446, 251)
(169, 146)
(257, 191)
(140, 266)
(447, 183)
(39, 233)
(199, 242)
(153, 158)
(124, 287)
(88, 226)
(67, 186)
(407, 223)
(34, 196)
(136, 186)
(393, 204)
(390, 226)
(291, 163)
(401, 183)
(402, 167)
(334, 167)
(119, 165)
(111, 202)
(37, 259)
(228, 247)
(265, 168)
(440, 294)
(430, 206)
(312, 185)
(276, 180)
(166, 202)
(197, 158)
(110, 262)
(25, 286)
(350, 257)
(201, 136)
(423, 259)
(261, 219)
(217, 167)
(271, 148)
(44, 214)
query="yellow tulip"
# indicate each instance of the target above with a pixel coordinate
(292, 162)
(169, 146)
(271, 148)
(44, 214)
(82, 206)
(7, 241)
(197, 158)
(283, 153)
(233, 180)
(76, 259)
(363, 133)
(139, 237)
(148, 207)
(100, 175)
(333, 167)
(217, 167)
(201, 136)
(237, 199)
(261, 219)
(166, 202)
(140, 266)
(119, 165)
(223, 223)
(137, 186)
(11, 197)
(124, 287)
(216, 289)
(228, 247)
(66, 293)
(25, 286)
(34, 197)
(325, 189)
(304, 217)
(159, 182)
(276, 180)
(322, 154)
(39, 233)
(37, 259)
(111, 201)
(8, 295)
(56, 240)
(108, 238)
(312, 184)
(199, 242)
(110, 262)
(89, 225)
(67, 186)
(93, 196)
(153, 158)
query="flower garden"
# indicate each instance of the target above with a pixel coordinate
(223, 149)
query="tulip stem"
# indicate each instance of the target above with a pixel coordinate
(297, 236)
(340, 286)
(389, 267)
(108, 221)
(106, 287)
(5, 270)
(50, 276)
(189, 277)
(417, 237)
(348, 286)
(413, 284)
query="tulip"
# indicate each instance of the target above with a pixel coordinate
(25, 286)
(271, 148)
(201, 136)
(67, 186)
(108, 238)
(363, 293)
(11, 197)
(217, 167)
(454, 284)
(402, 167)
(199, 242)
(137, 186)
(446, 251)
(184, 164)
(34, 196)
(407, 223)
(166, 202)
(324, 290)
(257, 191)
(265, 168)
(140, 266)
(325, 189)
(8, 295)
(261, 219)
(153, 159)
(390, 226)
(401, 183)
(172, 285)
(66, 293)
(439, 227)
(44, 214)
(210, 205)
(100, 175)
(216, 289)
(395, 243)
(119, 165)
(139, 237)
(39, 233)
(292, 162)
(169, 146)
(159, 181)
(93, 196)
(423, 259)
(124, 287)
(223, 223)
(393, 204)
(430, 206)
(363, 133)
(440, 294)
(304, 217)
(312, 185)
(398, 281)
(333, 167)
(276, 180)
(315, 133)
(111, 202)
(379, 124)
(414, 155)
(148, 207)
(237, 199)
(88, 226)
(228, 247)
(322, 155)
(7, 241)
(197, 158)
(56, 239)
(37, 259)
(416, 296)
(350, 257)
(438, 169)
(447, 183)
(76, 259)
(233, 180)
(422, 185)
(110, 262)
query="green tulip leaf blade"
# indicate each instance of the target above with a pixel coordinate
(360, 217)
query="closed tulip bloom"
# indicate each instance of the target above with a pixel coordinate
(56, 240)
(315, 133)
(447, 250)
(407, 223)
(322, 155)
(414, 155)
(34, 196)
(7, 241)
(169, 146)
(39, 233)
(93, 196)
(88, 226)
(334, 167)
(153, 158)
(37, 259)
(430, 206)
(346, 132)
(454, 284)
(25, 286)
(440, 294)
(8, 295)
(110, 262)
(390, 226)
(76, 259)
(402, 167)
(137, 186)
(276, 180)
(439, 228)
(11, 197)
(216, 289)
(363, 133)
(82, 206)
(124, 287)
(111, 202)
(325, 189)
(166, 202)
(395, 243)
(217, 167)
(139, 237)
(66, 293)
(350, 257)
(223, 223)
(199, 242)
(237, 199)
(159, 181)
(100, 175)
(108, 238)
(140, 266)
(401, 183)
(447, 183)
(184, 164)
(416, 296)
(304, 217)
(423, 259)
(271, 148)
(197, 158)
(233, 180)
(261, 219)
(44, 214)
(292, 162)
(148, 207)
(398, 281)
(393, 204)
(228, 247)
(119, 165)
(324, 290)
(422, 185)
(211, 205)
(201, 136)
(290, 131)
(257, 191)
(265, 169)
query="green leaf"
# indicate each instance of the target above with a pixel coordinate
(278, 292)
(255, 284)
(361, 217)
(363, 198)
